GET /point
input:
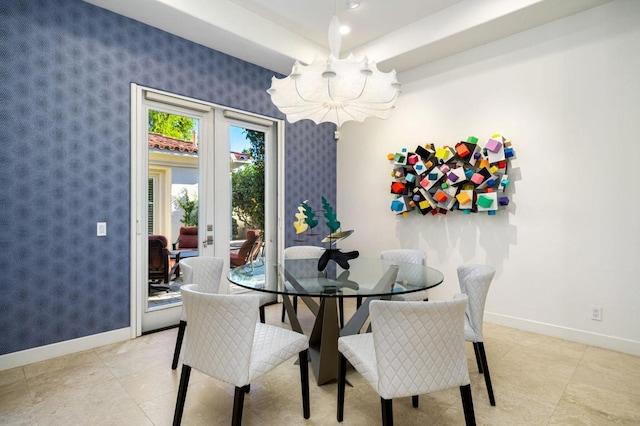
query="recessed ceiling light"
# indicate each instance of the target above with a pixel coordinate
(352, 4)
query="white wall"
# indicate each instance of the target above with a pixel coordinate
(568, 95)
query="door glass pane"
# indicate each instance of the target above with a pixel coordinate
(247, 195)
(172, 202)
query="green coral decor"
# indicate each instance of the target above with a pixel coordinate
(305, 220)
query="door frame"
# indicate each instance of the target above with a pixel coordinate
(139, 175)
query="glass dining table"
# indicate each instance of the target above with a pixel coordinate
(366, 278)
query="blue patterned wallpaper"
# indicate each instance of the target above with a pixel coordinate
(65, 71)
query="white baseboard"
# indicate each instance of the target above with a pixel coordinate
(42, 353)
(571, 334)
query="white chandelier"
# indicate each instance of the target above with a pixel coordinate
(336, 90)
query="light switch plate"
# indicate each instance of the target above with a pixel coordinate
(101, 229)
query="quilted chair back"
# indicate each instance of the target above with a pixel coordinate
(419, 346)
(206, 271)
(474, 282)
(221, 331)
(303, 252)
(408, 256)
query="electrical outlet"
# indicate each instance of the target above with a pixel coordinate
(596, 313)
(101, 230)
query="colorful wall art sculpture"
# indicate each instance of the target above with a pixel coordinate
(465, 177)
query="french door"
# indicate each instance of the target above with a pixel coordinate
(183, 181)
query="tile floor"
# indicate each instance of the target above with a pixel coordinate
(537, 380)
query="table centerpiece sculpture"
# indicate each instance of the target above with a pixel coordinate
(306, 221)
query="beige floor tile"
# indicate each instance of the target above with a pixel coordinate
(537, 380)
(105, 403)
(591, 405)
(16, 407)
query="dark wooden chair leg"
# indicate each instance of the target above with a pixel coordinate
(238, 402)
(341, 309)
(478, 361)
(176, 351)
(358, 301)
(342, 381)
(387, 412)
(487, 376)
(415, 400)
(262, 317)
(182, 394)
(303, 359)
(467, 405)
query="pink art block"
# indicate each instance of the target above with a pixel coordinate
(444, 168)
(494, 145)
(413, 159)
(477, 178)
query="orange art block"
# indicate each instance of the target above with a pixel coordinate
(462, 150)
(484, 163)
(441, 197)
(391, 156)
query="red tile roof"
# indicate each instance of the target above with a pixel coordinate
(159, 141)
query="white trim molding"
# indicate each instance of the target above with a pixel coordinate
(574, 335)
(54, 350)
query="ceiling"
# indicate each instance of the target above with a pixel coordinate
(398, 34)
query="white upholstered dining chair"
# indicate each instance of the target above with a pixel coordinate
(206, 271)
(408, 256)
(474, 281)
(414, 348)
(226, 341)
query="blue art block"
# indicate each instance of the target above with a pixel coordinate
(397, 206)
(508, 152)
(468, 173)
(503, 201)
(491, 212)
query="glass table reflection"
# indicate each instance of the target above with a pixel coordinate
(367, 278)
